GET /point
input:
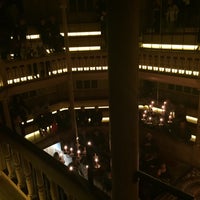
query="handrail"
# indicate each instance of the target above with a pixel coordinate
(72, 184)
(167, 187)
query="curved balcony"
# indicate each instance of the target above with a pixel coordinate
(181, 64)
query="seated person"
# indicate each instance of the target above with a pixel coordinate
(163, 173)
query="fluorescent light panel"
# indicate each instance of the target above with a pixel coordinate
(70, 34)
(169, 46)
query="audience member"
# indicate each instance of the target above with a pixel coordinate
(162, 172)
(82, 117)
(172, 15)
(156, 15)
(44, 32)
(56, 40)
(96, 116)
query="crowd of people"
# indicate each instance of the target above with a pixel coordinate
(61, 121)
(167, 15)
(89, 117)
(14, 27)
(154, 164)
(45, 121)
(22, 48)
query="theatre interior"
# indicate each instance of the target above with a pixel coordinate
(99, 100)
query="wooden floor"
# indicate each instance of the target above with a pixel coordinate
(8, 191)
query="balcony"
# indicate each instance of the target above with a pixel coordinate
(37, 175)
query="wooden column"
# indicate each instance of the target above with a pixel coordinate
(198, 125)
(63, 7)
(123, 87)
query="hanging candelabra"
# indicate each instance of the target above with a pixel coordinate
(153, 115)
(82, 156)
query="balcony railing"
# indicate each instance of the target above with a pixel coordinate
(180, 63)
(26, 70)
(184, 63)
(38, 175)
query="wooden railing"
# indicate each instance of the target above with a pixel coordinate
(175, 192)
(38, 175)
(14, 72)
(184, 60)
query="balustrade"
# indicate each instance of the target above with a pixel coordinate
(38, 175)
(19, 71)
(26, 70)
(181, 61)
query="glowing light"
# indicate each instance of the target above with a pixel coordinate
(65, 147)
(193, 138)
(91, 33)
(71, 168)
(89, 48)
(169, 46)
(32, 37)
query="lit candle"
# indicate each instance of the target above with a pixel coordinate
(89, 143)
(78, 152)
(65, 147)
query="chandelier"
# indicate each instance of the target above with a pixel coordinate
(155, 115)
(83, 157)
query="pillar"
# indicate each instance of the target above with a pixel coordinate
(123, 89)
(198, 124)
(63, 6)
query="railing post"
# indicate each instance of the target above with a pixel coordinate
(54, 191)
(18, 170)
(40, 185)
(29, 179)
(6, 113)
(9, 164)
(2, 159)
